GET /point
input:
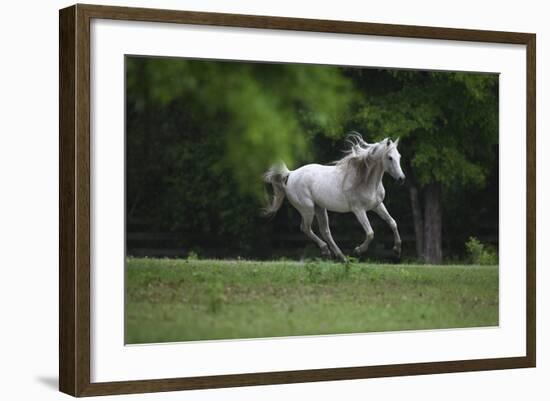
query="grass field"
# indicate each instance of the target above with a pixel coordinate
(181, 300)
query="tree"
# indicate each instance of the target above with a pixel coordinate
(448, 123)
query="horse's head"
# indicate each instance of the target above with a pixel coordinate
(392, 159)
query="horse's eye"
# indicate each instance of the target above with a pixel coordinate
(389, 157)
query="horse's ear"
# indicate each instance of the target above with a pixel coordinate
(388, 142)
(396, 142)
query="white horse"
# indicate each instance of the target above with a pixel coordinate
(351, 184)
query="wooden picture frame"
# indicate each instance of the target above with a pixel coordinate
(74, 206)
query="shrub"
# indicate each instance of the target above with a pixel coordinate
(481, 254)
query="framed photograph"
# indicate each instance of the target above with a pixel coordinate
(250, 200)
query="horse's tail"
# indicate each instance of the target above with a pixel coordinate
(277, 176)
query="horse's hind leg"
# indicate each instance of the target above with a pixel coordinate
(307, 219)
(322, 219)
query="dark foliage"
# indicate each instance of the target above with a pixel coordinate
(200, 134)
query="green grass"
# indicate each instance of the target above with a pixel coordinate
(182, 300)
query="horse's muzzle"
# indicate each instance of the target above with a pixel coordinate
(401, 180)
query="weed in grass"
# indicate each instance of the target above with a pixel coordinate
(192, 256)
(313, 270)
(216, 296)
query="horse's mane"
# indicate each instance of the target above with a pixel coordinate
(361, 156)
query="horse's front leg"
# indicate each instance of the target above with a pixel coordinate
(364, 221)
(381, 211)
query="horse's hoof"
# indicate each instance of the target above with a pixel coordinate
(326, 254)
(342, 258)
(396, 255)
(397, 250)
(357, 251)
